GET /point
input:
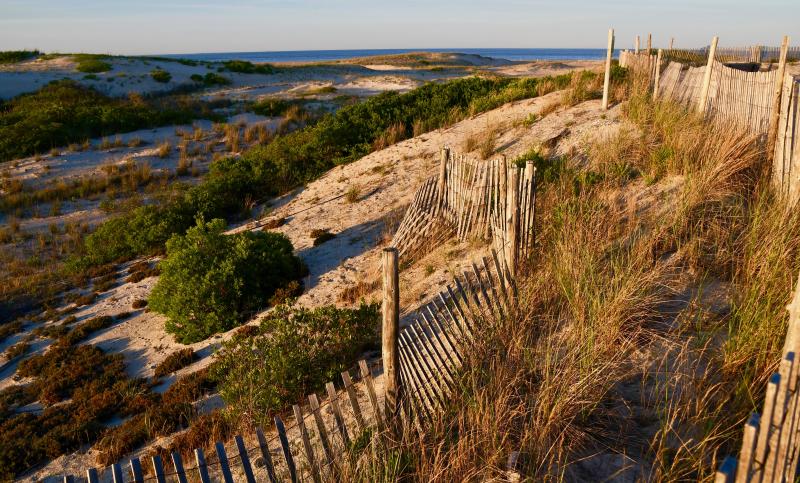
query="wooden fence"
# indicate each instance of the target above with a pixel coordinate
(493, 200)
(771, 443)
(419, 362)
(764, 102)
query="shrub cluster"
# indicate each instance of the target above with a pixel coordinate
(64, 111)
(14, 56)
(210, 282)
(294, 352)
(245, 67)
(175, 361)
(91, 64)
(211, 79)
(161, 75)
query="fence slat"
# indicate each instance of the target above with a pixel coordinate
(177, 462)
(351, 395)
(748, 446)
(158, 468)
(726, 471)
(287, 451)
(366, 374)
(223, 462)
(333, 397)
(69, 479)
(312, 460)
(266, 456)
(764, 431)
(91, 475)
(202, 469)
(136, 470)
(245, 459)
(321, 429)
(431, 395)
(116, 472)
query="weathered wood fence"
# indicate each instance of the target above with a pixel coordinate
(763, 101)
(771, 443)
(492, 200)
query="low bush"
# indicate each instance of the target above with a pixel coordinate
(14, 56)
(320, 236)
(210, 282)
(9, 328)
(17, 350)
(139, 304)
(91, 64)
(175, 361)
(295, 353)
(245, 67)
(160, 75)
(83, 330)
(64, 111)
(211, 79)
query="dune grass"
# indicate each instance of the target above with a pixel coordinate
(15, 56)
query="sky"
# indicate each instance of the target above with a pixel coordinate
(191, 26)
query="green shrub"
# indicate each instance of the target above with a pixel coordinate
(177, 360)
(295, 353)
(245, 67)
(211, 79)
(270, 107)
(14, 56)
(210, 282)
(160, 75)
(91, 64)
(64, 111)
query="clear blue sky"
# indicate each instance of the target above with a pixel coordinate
(183, 26)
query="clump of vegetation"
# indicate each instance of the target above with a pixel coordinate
(84, 330)
(14, 56)
(17, 350)
(9, 328)
(160, 75)
(210, 79)
(321, 235)
(91, 64)
(175, 361)
(64, 111)
(139, 303)
(298, 350)
(211, 282)
(352, 194)
(245, 67)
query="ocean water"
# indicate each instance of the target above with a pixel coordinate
(327, 55)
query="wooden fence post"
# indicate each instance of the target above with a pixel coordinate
(389, 333)
(442, 185)
(658, 75)
(649, 43)
(607, 79)
(636, 45)
(776, 97)
(671, 42)
(701, 105)
(512, 220)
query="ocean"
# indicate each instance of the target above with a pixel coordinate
(328, 55)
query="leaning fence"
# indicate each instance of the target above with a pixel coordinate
(762, 101)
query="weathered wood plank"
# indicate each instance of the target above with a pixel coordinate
(266, 456)
(287, 450)
(309, 449)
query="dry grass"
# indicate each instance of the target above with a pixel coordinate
(164, 149)
(544, 381)
(232, 137)
(392, 135)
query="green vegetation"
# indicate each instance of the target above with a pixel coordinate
(14, 56)
(211, 79)
(210, 282)
(91, 63)
(64, 111)
(294, 352)
(160, 75)
(175, 361)
(245, 67)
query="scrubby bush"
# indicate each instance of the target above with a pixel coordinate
(91, 64)
(210, 282)
(175, 361)
(9, 328)
(139, 304)
(245, 67)
(296, 352)
(211, 79)
(160, 75)
(64, 111)
(83, 331)
(14, 56)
